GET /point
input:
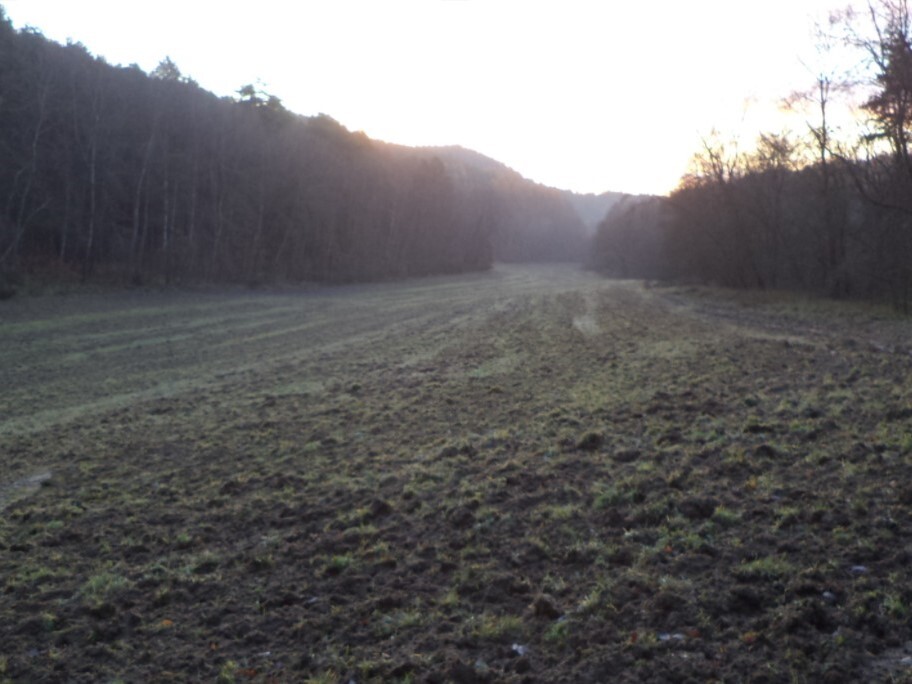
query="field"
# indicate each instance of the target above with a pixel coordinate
(527, 475)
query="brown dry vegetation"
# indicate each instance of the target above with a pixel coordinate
(527, 475)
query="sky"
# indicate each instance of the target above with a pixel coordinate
(585, 95)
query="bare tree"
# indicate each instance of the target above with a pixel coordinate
(880, 162)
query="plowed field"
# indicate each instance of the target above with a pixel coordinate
(529, 475)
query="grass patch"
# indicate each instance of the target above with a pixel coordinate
(498, 627)
(766, 568)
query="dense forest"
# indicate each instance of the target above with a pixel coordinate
(811, 213)
(110, 173)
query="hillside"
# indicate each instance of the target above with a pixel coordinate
(462, 161)
(532, 222)
(112, 174)
(590, 208)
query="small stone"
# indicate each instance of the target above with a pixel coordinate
(520, 650)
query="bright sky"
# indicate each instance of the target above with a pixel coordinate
(587, 95)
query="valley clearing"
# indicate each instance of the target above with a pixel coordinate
(527, 475)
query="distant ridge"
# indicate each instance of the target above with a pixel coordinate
(462, 156)
(531, 221)
(591, 208)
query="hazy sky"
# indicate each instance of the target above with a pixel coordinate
(586, 95)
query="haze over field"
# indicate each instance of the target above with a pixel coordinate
(587, 96)
(287, 402)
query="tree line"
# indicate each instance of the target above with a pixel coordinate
(108, 172)
(811, 213)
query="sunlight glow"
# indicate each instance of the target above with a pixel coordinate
(589, 96)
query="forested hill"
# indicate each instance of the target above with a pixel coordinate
(109, 172)
(532, 222)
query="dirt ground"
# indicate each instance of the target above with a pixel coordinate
(528, 475)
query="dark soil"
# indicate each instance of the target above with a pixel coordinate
(531, 475)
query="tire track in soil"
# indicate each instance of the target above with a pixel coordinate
(61, 367)
(18, 489)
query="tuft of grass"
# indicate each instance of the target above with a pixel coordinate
(49, 621)
(100, 587)
(725, 517)
(228, 672)
(398, 621)
(450, 599)
(183, 540)
(768, 567)
(905, 443)
(339, 563)
(895, 607)
(561, 512)
(497, 627)
(557, 632)
(614, 494)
